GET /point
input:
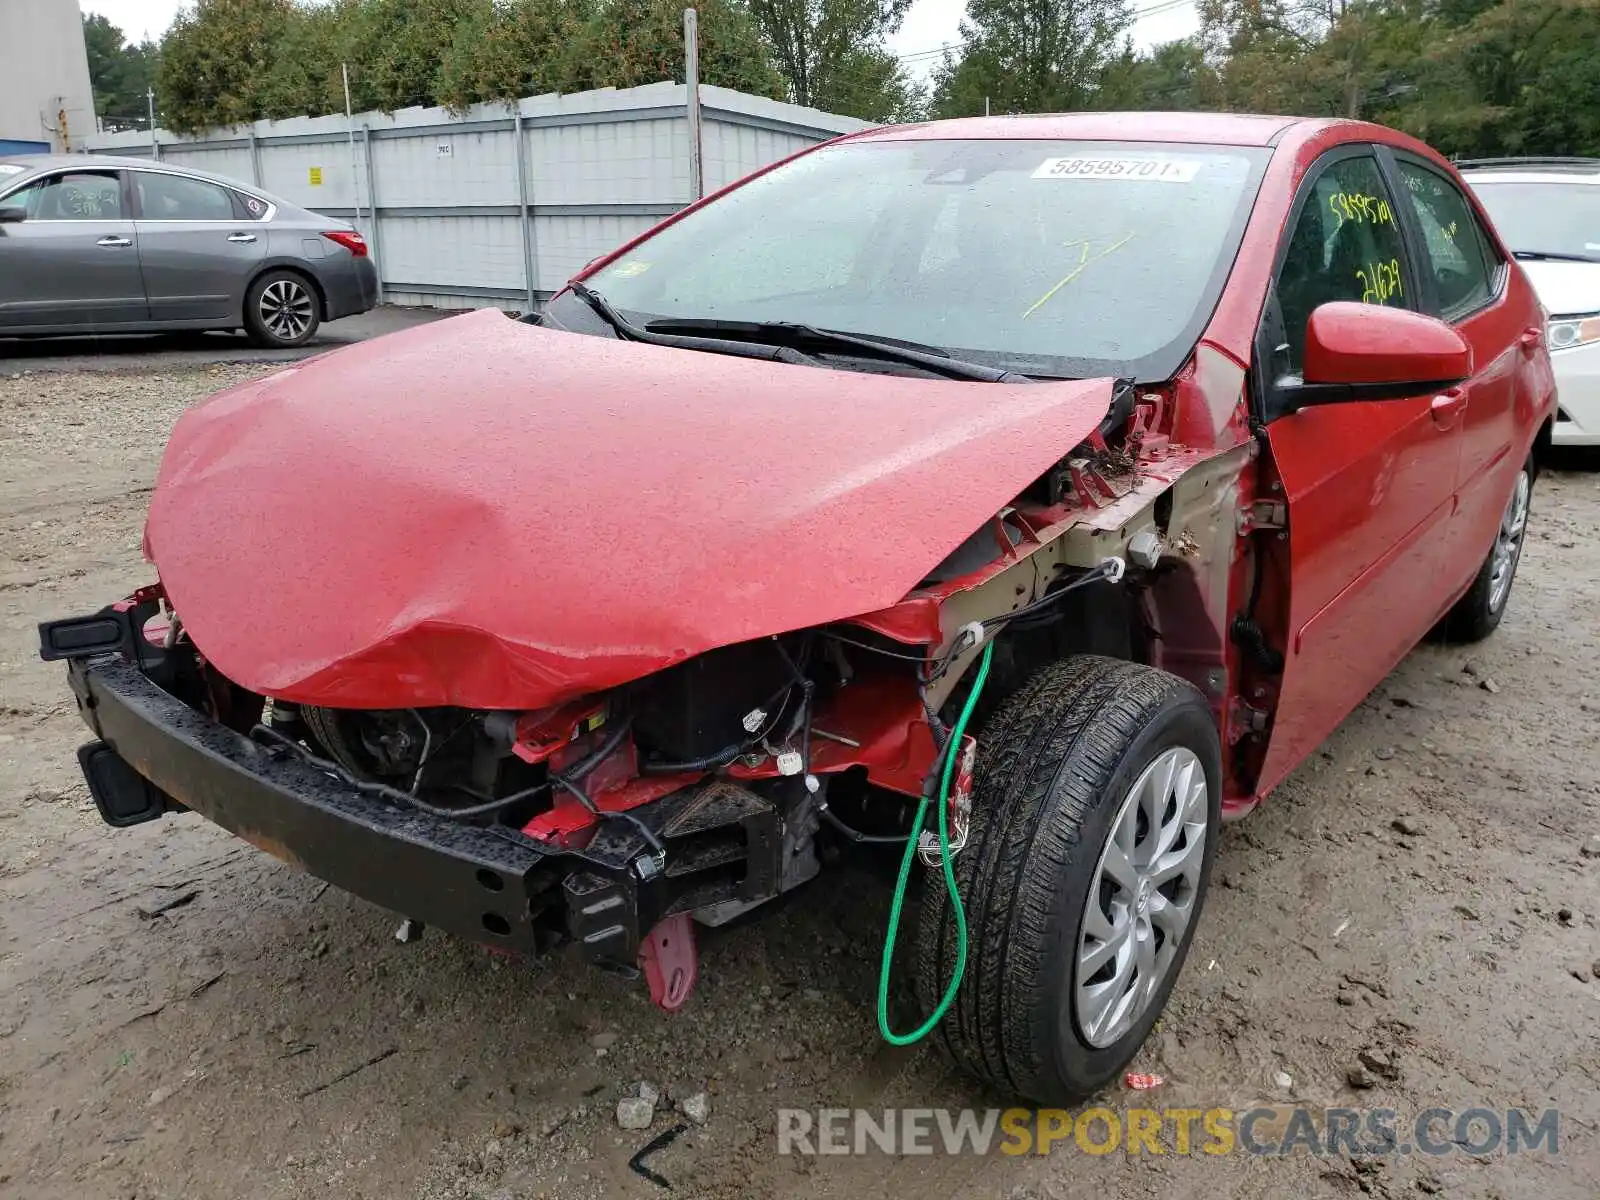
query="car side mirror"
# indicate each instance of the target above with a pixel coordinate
(11, 214)
(1368, 352)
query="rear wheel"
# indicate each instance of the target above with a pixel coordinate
(1095, 816)
(1477, 614)
(281, 310)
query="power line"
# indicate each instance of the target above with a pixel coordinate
(1157, 9)
(928, 53)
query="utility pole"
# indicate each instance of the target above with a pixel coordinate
(350, 131)
(691, 75)
(150, 101)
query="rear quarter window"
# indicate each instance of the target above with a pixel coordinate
(250, 208)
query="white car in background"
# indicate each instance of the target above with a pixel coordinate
(1548, 212)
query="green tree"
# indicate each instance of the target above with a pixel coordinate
(1030, 56)
(306, 78)
(395, 48)
(870, 84)
(1517, 77)
(1266, 50)
(517, 48)
(832, 54)
(119, 73)
(633, 42)
(1172, 76)
(216, 59)
(1467, 76)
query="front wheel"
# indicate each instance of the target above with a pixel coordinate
(1096, 809)
(281, 310)
(1477, 614)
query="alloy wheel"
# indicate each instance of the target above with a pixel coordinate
(286, 309)
(1142, 896)
(1508, 542)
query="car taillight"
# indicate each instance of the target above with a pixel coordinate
(350, 240)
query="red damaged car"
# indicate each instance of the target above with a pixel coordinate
(1030, 493)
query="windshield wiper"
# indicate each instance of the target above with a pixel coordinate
(1553, 256)
(930, 358)
(628, 331)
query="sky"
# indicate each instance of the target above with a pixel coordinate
(139, 19)
(929, 24)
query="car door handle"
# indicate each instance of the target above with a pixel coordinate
(114, 241)
(241, 237)
(1447, 407)
(1531, 338)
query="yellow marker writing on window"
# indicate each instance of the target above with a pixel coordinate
(1083, 261)
(1380, 281)
(1357, 206)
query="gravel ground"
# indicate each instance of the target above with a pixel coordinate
(1417, 890)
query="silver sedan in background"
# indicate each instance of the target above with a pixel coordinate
(115, 245)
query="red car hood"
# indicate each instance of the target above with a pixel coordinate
(483, 513)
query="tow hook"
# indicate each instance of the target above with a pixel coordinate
(670, 964)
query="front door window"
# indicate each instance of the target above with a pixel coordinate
(1346, 245)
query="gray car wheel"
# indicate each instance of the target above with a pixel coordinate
(1096, 808)
(281, 310)
(1477, 614)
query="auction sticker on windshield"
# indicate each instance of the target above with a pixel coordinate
(1156, 168)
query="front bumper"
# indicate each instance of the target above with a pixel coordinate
(490, 884)
(1577, 374)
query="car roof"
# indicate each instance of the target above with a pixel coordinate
(35, 163)
(1531, 170)
(1227, 129)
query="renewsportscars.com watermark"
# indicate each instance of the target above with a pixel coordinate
(1281, 1130)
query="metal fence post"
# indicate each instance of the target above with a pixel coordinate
(530, 253)
(691, 74)
(155, 144)
(372, 204)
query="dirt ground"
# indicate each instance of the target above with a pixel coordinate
(266, 1036)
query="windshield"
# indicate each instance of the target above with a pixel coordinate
(1051, 258)
(1548, 218)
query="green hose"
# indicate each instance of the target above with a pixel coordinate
(952, 754)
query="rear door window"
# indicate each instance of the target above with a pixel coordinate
(1463, 268)
(179, 198)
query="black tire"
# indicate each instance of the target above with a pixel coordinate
(281, 310)
(1055, 765)
(1477, 614)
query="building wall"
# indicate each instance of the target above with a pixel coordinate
(44, 71)
(501, 204)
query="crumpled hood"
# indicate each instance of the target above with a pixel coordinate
(484, 513)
